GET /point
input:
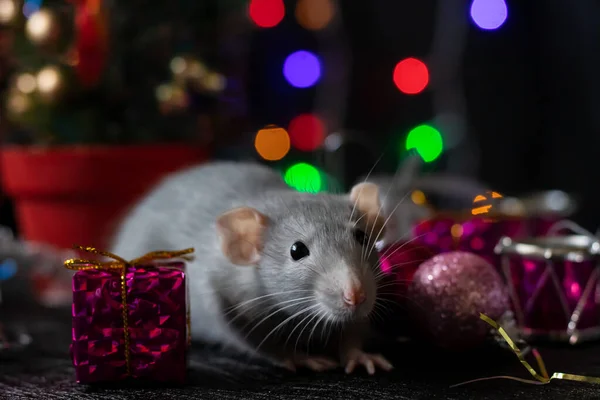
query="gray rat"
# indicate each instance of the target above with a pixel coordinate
(277, 273)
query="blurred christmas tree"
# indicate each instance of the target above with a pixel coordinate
(115, 71)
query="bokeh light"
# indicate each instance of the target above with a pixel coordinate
(272, 143)
(8, 10)
(26, 83)
(411, 76)
(39, 26)
(418, 197)
(266, 13)
(427, 141)
(48, 79)
(314, 14)
(302, 69)
(489, 14)
(214, 81)
(307, 132)
(30, 7)
(333, 141)
(304, 178)
(172, 98)
(19, 103)
(456, 230)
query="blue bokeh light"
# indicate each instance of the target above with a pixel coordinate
(8, 269)
(489, 14)
(302, 69)
(31, 6)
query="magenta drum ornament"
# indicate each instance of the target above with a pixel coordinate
(554, 286)
(478, 235)
(492, 217)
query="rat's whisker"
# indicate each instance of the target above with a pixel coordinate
(285, 322)
(270, 315)
(264, 297)
(388, 218)
(386, 300)
(375, 315)
(382, 274)
(311, 316)
(404, 297)
(315, 315)
(315, 327)
(296, 303)
(325, 325)
(397, 265)
(380, 314)
(366, 179)
(387, 251)
(387, 193)
(388, 254)
(400, 264)
(404, 283)
(329, 327)
(358, 220)
(296, 327)
(388, 309)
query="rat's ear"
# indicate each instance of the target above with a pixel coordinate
(241, 232)
(366, 197)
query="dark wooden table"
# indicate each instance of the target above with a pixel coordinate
(44, 371)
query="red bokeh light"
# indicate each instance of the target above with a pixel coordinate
(266, 13)
(307, 132)
(411, 76)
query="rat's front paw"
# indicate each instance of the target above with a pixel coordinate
(355, 357)
(315, 363)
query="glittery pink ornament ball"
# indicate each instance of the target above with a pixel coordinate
(448, 293)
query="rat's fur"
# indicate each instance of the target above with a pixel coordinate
(182, 211)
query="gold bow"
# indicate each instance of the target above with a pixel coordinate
(542, 378)
(118, 263)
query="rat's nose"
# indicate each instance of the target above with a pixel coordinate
(354, 296)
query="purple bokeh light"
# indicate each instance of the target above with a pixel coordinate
(302, 69)
(489, 14)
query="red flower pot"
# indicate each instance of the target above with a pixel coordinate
(76, 195)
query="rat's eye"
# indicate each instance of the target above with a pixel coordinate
(361, 237)
(299, 251)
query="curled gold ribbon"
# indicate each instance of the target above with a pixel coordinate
(542, 378)
(118, 263)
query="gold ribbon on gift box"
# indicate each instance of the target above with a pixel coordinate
(120, 264)
(542, 378)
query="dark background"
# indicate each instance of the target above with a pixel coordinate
(530, 92)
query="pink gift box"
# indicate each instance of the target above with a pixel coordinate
(554, 286)
(157, 318)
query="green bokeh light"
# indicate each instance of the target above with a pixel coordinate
(304, 178)
(427, 141)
